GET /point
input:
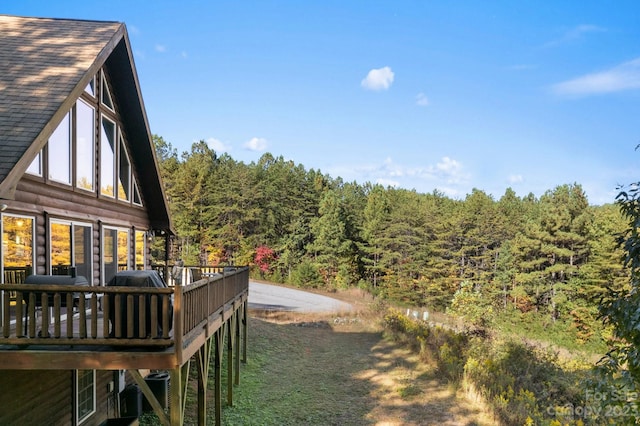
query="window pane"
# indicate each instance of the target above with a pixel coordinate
(59, 149)
(35, 168)
(17, 242)
(107, 157)
(136, 194)
(123, 250)
(85, 393)
(91, 87)
(82, 258)
(106, 96)
(17, 255)
(60, 248)
(85, 146)
(140, 249)
(109, 257)
(124, 180)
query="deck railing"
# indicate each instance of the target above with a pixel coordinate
(69, 315)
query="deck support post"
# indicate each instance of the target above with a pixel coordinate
(179, 378)
(231, 334)
(218, 355)
(245, 333)
(203, 359)
(236, 351)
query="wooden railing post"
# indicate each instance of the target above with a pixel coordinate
(178, 314)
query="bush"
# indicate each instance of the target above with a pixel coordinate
(445, 347)
(471, 306)
(306, 274)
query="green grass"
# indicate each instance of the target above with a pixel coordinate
(286, 380)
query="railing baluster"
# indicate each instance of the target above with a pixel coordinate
(6, 318)
(105, 316)
(165, 316)
(69, 301)
(44, 330)
(154, 316)
(19, 315)
(94, 315)
(117, 313)
(56, 315)
(32, 314)
(142, 318)
(130, 318)
(82, 310)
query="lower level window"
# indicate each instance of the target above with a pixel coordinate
(85, 394)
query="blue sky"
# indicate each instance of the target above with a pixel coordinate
(421, 95)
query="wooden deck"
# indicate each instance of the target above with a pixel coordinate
(115, 327)
(67, 327)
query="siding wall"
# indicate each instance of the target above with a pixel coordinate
(36, 397)
(46, 397)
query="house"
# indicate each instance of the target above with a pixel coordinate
(80, 199)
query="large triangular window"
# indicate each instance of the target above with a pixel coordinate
(89, 149)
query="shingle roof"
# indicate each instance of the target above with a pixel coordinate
(45, 64)
(41, 62)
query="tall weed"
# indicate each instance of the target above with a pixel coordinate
(523, 384)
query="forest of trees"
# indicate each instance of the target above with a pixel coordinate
(554, 255)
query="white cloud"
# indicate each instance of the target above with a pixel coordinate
(515, 179)
(378, 79)
(217, 145)
(422, 100)
(450, 170)
(447, 175)
(184, 54)
(446, 170)
(625, 76)
(256, 144)
(161, 48)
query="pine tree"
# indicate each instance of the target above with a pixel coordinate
(376, 215)
(330, 245)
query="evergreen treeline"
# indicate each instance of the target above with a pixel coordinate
(555, 255)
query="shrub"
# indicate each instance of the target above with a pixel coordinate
(523, 384)
(306, 274)
(445, 347)
(471, 306)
